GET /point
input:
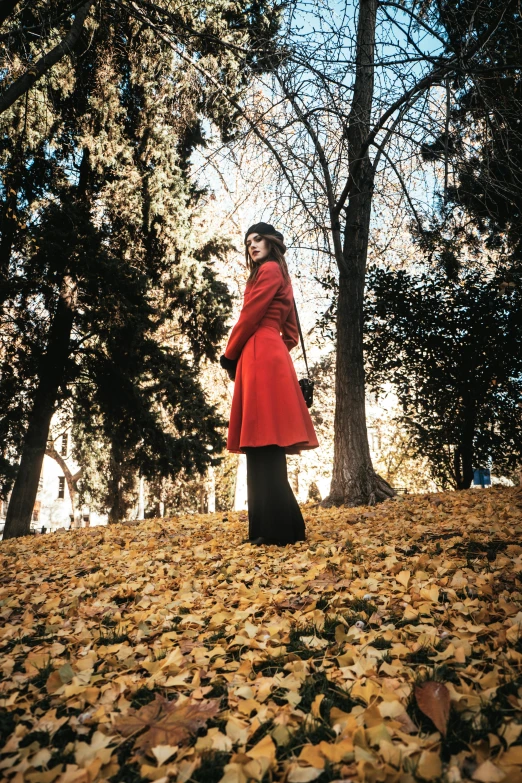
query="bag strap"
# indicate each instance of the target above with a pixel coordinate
(301, 336)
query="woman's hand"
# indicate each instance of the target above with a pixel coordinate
(229, 365)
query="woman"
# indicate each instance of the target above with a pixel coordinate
(269, 418)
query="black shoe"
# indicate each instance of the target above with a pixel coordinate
(259, 541)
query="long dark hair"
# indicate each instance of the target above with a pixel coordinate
(276, 252)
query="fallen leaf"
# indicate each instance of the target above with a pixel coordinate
(487, 772)
(430, 766)
(166, 722)
(163, 753)
(433, 699)
(303, 774)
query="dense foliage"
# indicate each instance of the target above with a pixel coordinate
(482, 139)
(111, 298)
(453, 352)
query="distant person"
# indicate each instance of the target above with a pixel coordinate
(269, 418)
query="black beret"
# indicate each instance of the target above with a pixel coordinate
(263, 229)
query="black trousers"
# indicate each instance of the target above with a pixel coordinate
(273, 511)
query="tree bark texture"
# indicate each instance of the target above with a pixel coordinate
(23, 496)
(463, 455)
(354, 481)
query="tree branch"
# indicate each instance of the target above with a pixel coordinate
(26, 81)
(6, 9)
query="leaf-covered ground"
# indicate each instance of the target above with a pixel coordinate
(387, 647)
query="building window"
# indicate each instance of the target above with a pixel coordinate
(40, 484)
(65, 444)
(61, 486)
(36, 511)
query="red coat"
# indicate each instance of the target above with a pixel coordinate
(268, 406)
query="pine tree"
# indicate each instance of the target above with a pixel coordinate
(102, 259)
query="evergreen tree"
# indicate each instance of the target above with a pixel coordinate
(111, 299)
(482, 141)
(453, 352)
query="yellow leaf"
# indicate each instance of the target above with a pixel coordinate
(403, 577)
(302, 774)
(85, 753)
(430, 593)
(430, 766)
(487, 772)
(233, 773)
(364, 692)
(335, 753)
(237, 730)
(312, 755)
(163, 753)
(513, 756)
(265, 748)
(316, 705)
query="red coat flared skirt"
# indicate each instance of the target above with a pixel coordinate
(268, 406)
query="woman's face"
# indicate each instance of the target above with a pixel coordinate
(258, 247)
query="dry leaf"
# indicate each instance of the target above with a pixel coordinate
(163, 753)
(433, 699)
(487, 772)
(303, 774)
(430, 766)
(166, 722)
(194, 616)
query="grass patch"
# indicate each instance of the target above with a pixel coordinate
(423, 654)
(318, 684)
(219, 691)
(310, 731)
(381, 643)
(113, 635)
(143, 696)
(270, 666)
(44, 672)
(7, 725)
(211, 767)
(43, 738)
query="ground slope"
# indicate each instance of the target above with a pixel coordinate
(387, 647)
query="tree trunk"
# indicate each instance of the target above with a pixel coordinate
(72, 480)
(354, 481)
(117, 506)
(23, 496)
(141, 498)
(463, 456)
(211, 489)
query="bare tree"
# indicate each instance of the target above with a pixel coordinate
(342, 115)
(71, 478)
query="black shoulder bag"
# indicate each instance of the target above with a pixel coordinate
(306, 384)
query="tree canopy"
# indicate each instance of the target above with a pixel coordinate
(452, 349)
(110, 292)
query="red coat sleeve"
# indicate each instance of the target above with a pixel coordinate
(290, 331)
(265, 287)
